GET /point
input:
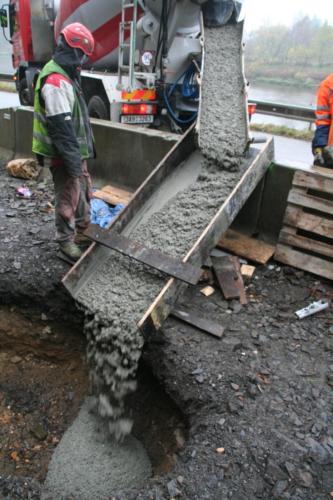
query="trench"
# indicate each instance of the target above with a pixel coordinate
(44, 383)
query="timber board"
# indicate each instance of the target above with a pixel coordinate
(296, 217)
(314, 180)
(247, 247)
(295, 258)
(289, 236)
(113, 195)
(301, 197)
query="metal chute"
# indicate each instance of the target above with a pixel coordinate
(221, 12)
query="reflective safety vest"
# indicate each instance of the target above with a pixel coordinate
(324, 110)
(41, 141)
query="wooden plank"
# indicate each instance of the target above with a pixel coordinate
(199, 322)
(247, 271)
(328, 172)
(314, 180)
(306, 200)
(295, 216)
(112, 195)
(80, 273)
(227, 276)
(228, 273)
(288, 236)
(240, 282)
(149, 256)
(258, 164)
(294, 258)
(247, 247)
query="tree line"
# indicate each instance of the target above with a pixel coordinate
(298, 54)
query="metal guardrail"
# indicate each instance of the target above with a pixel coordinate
(301, 113)
(6, 78)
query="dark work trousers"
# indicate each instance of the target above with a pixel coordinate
(72, 201)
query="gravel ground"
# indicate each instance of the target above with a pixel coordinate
(263, 392)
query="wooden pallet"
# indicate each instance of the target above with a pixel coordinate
(113, 195)
(306, 238)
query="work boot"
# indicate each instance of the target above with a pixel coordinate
(82, 240)
(71, 250)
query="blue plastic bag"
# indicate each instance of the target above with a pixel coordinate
(102, 214)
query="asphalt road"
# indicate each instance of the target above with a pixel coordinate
(8, 99)
(291, 152)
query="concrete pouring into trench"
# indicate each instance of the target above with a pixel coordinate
(120, 290)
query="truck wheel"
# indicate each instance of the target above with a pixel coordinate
(98, 108)
(24, 93)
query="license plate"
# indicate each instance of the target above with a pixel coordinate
(137, 118)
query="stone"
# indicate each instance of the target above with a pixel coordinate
(38, 431)
(305, 479)
(16, 359)
(172, 489)
(279, 488)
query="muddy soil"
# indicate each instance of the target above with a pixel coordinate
(263, 393)
(43, 379)
(29, 268)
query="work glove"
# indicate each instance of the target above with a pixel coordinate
(318, 157)
(327, 156)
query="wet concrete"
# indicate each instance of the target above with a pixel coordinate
(88, 463)
(119, 291)
(223, 117)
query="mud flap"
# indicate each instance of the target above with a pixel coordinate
(220, 12)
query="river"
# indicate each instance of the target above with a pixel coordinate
(284, 94)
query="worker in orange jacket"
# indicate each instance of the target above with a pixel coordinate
(322, 144)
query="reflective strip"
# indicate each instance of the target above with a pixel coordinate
(139, 95)
(323, 108)
(39, 117)
(41, 138)
(323, 117)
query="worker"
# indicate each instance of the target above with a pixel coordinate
(322, 144)
(62, 135)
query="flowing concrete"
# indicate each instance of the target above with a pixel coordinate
(88, 464)
(120, 290)
(223, 132)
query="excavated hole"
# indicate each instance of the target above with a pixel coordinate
(44, 380)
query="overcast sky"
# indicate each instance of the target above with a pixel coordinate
(259, 12)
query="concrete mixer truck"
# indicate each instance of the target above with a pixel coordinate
(147, 59)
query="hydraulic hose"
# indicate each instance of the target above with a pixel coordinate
(189, 90)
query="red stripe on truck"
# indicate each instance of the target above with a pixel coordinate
(66, 10)
(22, 41)
(106, 38)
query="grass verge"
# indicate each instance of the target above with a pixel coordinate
(304, 135)
(8, 86)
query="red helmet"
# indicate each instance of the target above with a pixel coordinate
(79, 37)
